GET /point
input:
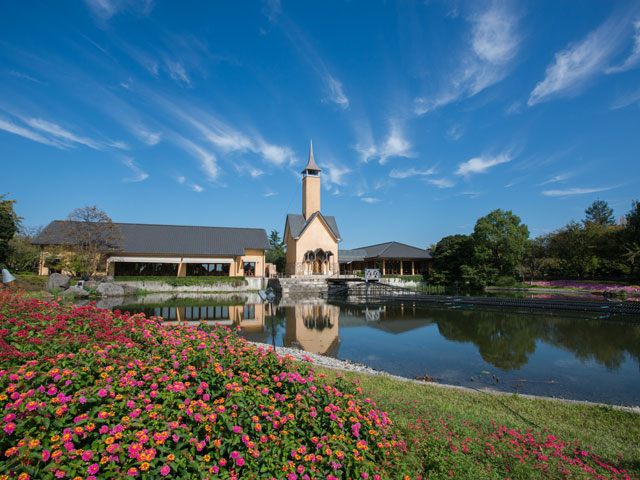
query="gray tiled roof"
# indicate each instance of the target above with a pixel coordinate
(297, 224)
(172, 239)
(346, 256)
(394, 250)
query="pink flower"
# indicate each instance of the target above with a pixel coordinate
(164, 471)
(235, 454)
(93, 468)
(239, 461)
(237, 429)
(45, 455)
(102, 392)
(132, 472)
(10, 427)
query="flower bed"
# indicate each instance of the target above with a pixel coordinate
(595, 287)
(87, 394)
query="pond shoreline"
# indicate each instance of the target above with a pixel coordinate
(350, 366)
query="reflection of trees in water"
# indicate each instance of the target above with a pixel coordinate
(603, 342)
(507, 340)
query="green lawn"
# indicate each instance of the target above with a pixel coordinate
(614, 435)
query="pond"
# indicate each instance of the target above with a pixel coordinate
(561, 354)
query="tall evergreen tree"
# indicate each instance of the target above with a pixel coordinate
(600, 213)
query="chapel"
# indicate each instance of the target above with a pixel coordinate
(311, 237)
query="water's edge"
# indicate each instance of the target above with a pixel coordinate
(348, 365)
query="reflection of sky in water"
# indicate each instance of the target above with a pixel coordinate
(555, 355)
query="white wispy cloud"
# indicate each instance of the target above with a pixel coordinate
(494, 44)
(557, 178)
(106, 9)
(370, 199)
(410, 172)
(146, 135)
(395, 145)
(177, 72)
(139, 174)
(626, 100)
(272, 9)
(335, 175)
(181, 179)
(336, 92)
(197, 188)
(441, 182)
(455, 132)
(481, 164)
(61, 133)
(513, 108)
(208, 161)
(574, 191)
(270, 194)
(633, 60)
(579, 62)
(24, 76)
(11, 127)
(255, 172)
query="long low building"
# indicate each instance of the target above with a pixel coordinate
(392, 258)
(169, 250)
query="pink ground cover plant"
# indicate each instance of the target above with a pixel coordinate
(595, 287)
(86, 393)
(448, 447)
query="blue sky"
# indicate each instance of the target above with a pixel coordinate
(424, 116)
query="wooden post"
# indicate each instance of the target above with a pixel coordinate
(413, 268)
(383, 266)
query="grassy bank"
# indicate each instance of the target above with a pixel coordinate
(186, 281)
(450, 430)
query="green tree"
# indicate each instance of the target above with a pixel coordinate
(23, 257)
(9, 225)
(450, 254)
(276, 254)
(499, 243)
(574, 247)
(535, 254)
(600, 213)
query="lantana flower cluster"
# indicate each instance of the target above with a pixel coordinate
(86, 393)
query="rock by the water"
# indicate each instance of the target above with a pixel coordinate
(110, 290)
(57, 280)
(90, 284)
(130, 290)
(76, 292)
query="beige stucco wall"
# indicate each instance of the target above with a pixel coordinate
(316, 235)
(256, 256)
(310, 195)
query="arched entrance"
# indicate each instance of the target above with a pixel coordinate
(317, 262)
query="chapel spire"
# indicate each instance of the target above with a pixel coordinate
(311, 168)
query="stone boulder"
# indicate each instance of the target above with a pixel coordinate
(57, 280)
(75, 291)
(110, 290)
(90, 284)
(130, 290)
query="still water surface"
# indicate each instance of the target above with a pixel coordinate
(562, 354)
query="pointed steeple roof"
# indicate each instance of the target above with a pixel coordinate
(311, 167)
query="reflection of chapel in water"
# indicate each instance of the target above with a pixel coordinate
(313, 328)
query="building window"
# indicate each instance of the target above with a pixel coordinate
(249, 269)
(208, 269)
(249, 312)
(131, 269)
